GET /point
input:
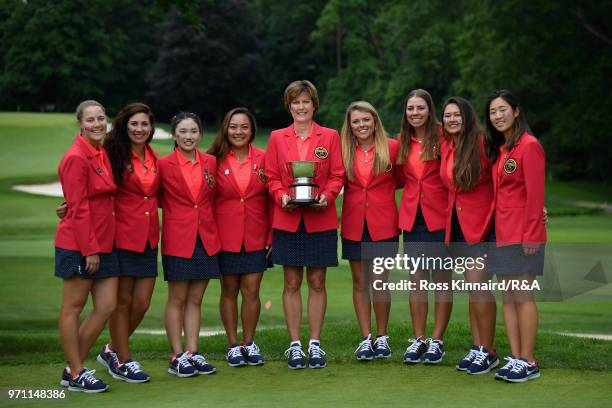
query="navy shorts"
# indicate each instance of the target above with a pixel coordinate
(421, 242)
(200, 266)
(69, 263)
(301, 248)
(356, 251)
(138, 264)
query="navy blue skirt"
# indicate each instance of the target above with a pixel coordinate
(510, 260)
(421, 242)
(300, 248)
(356, 251)
(459, 248)
(238, 263)
(138, 264)
(69, 263)
(200, 266)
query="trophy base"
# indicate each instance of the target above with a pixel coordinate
(303, 202)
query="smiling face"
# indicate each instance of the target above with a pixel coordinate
(362, 126)
(239, 131)
(187, 135)
(93, 124)
(417, 112)
(302, 108)
(502, 116)
(139, 128)
(453, 121)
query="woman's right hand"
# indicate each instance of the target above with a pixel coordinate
(92, 264)
(62, 210)
(285, 203)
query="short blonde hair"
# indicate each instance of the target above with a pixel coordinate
(296, 88)
(86, 104)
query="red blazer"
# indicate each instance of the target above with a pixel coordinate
(243, 219)
(474, 207)
(429, 192)
(182, 217)
(519, 194)
(136, 212)
(89, 224)
(330, 178)
(374, 202)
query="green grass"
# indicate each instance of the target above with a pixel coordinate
(575, 371)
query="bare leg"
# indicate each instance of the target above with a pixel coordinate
(228, 306)
(484, 306)
(74, 297)
(104, 295)
(443, 304)
(292, 300)
(193, 313)
(361, 298)
(317, 300)
(119, 324)
(175, 306)
(251, 304)
(381, 303)
(418, 304)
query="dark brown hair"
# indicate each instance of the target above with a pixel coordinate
(118, 143)
(220, 146)
(431, 142)
(466, 166)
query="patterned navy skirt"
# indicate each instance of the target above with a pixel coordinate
(420, 242)
(238, 263)
(200, 266)
(300, 248)
(138, 264)
(357, 251)
(510, 260)
(69, 263)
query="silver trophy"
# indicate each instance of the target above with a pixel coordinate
(303, 191)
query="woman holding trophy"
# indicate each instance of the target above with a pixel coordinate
(305, 175)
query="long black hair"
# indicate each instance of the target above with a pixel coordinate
(494, 138)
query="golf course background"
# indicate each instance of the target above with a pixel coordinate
(574, 370)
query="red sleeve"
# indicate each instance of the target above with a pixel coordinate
(335, 182)
(534, 173)
(273, 172)
(74, 176)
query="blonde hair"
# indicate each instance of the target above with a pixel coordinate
(86, 104)
(382, 160)
(296, 88)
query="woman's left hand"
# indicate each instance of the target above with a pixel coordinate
(321, 204)
(545, 216)
(528, 251)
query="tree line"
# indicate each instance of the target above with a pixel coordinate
(208, 56)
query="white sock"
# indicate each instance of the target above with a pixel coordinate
(295, 343)
(314, 341)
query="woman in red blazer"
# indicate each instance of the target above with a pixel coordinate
(422, 217)
(190, 241)
(466, 171)
(304, 236)
(518, 177)
(134, 164)
(84, 256)
(369, 214)
(241, 211)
